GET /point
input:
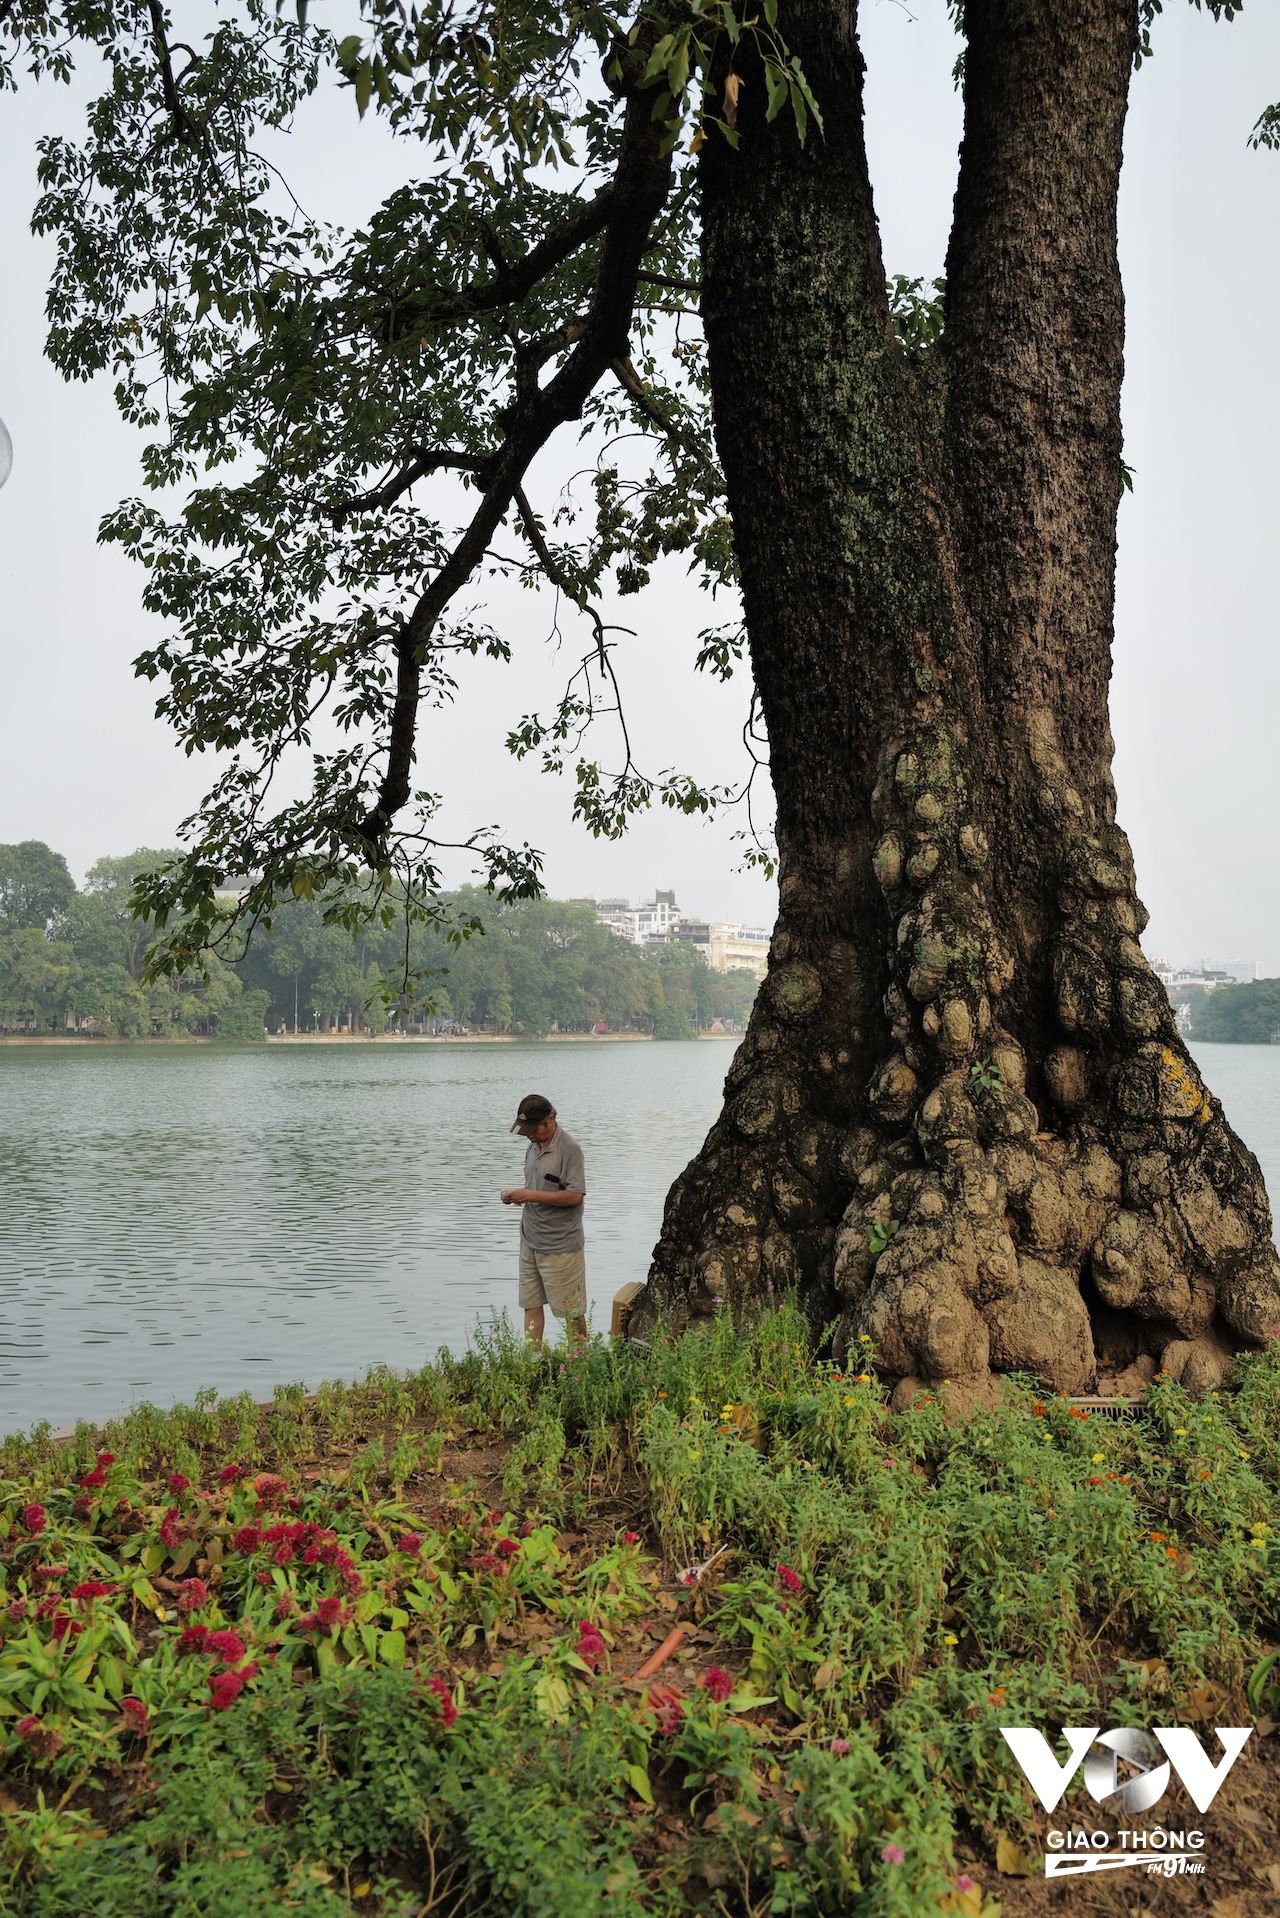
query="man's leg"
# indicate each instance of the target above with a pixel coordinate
(565, 1276)
(533, 1295)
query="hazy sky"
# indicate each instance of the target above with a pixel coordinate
(84, 765)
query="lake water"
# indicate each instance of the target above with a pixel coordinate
(172, 1217)
(178, 1217)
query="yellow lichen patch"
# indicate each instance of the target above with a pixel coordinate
(1182, 1082)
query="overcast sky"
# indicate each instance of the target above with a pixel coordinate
(84, 765)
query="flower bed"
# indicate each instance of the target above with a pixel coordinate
(371, 1651)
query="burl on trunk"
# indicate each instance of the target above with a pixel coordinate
(962, 1118)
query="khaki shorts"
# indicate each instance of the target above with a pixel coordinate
(557, 1279)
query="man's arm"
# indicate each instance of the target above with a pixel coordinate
(524, 1195)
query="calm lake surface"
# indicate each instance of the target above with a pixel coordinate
(178, 1217)
(171, 1218)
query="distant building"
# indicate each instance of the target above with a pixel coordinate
(725, 947)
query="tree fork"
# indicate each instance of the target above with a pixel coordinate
(962, 1120)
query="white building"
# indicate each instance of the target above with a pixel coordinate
(726, 947)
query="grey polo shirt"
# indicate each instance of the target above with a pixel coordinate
(556, 1168)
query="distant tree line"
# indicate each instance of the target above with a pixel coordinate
(1244, 1015)
(74, 959)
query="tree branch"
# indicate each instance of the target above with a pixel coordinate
(640, 185)
(427, 460)
(183, 126)
(515, 281)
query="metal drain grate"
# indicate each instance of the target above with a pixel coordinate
(1107, 1408)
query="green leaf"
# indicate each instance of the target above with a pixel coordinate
(638, 1778)
(392, 1649)
(364, 89)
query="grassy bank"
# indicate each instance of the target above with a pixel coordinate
(368, 1652)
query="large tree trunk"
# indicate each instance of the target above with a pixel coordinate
(962, 1118)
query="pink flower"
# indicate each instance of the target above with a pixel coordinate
(631, 1538)
(590, 1647)
(285, 1604)
(136, 1716)
(50, 1571)
(35, 1518)
(193, 1639)
(839, 1746)
(788, 1581)
(193, 1595)
(893, 1855)
(410, 1545)
(230, 1473)
(526, 1530)
(92, 1480)
(225, 1645)
(716, 1684)
(18, 1609)
(178, 1485)
(965, 1883)
(26, 1726)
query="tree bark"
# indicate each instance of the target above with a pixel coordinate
(962, 1121)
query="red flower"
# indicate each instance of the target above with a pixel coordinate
(788, 1581)
(1096, 1481)
(227, 1687)
(1037, 1411)
(35, 1518)
(193, 1595)
(92, 1589)
(267, 1485)
(225, 1645)
(410, 1544)
(285, 1604)
(92, 1480)
(590, 1646)
(294, 1502)
(631, 1538)
(18, 1609)
(284, 1553)
(247, 1539)
(716, 1684)
(264, 1578)
(193, 1639)
(48, 1606)
(105, 1459)
(83, 1505)
(526, 1530)
(329, 1610)
(507, 1547)
(136, 1716)
(172, 1531)
(178, 1485)
(230, 1473)
(437, 1690)
(43, 1742)
(64, 1627)
(494, 1518)
(50, 1571)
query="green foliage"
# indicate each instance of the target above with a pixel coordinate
(35, 886)
(896, 1589)
(879, 1233)
(984, 1076)
(1245, 1015)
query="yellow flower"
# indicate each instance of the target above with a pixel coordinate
(949, 1638)
(1244, 1455)
(726, 1409)
(848, 1399)
(1097, 1458)
(864, 1338)
(864, 1378)
(1179, 1431)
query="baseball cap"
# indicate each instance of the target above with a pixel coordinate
(531, 1111)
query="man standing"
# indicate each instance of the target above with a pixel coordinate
(553, 1263)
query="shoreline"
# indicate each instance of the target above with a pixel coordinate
(368, 1039)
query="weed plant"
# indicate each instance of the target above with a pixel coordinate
(280, 1659)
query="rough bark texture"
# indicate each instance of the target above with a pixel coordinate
(962, 1119)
